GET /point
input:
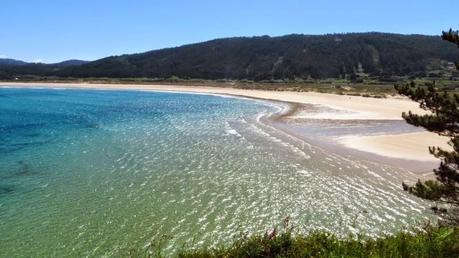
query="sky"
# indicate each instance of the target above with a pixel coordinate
(56, 30)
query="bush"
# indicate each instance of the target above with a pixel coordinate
(428, 242)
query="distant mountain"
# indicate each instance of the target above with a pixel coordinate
(8, 61)
(10, 68)
(266, 58)
(71, 62)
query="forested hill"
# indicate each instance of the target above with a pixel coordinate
(11, 68)
(265, 58)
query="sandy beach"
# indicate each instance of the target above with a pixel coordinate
(410, 146)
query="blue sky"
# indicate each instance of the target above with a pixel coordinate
(56, 30)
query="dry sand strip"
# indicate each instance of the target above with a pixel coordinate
(411, 146)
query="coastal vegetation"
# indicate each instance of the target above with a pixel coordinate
(367, 88)
(443, 119)
(428, 242)
(341, 87)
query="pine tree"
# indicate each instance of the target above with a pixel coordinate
(443, 119)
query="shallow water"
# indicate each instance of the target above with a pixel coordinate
(97, 173)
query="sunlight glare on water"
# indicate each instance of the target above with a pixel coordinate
(94, 173)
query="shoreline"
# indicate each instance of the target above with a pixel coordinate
(339, 107)
(362, 108)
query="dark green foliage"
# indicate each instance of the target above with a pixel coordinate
(430, 242)
(431, 190)
(346, 56)
(287, 57)
(443, 120)
(453, 37)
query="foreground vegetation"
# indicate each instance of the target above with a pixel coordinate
(442, 119)
(429, 242)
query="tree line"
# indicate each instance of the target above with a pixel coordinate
(269, 58)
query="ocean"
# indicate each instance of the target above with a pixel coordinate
(101, 172)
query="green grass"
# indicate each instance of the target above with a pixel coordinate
(429, 242)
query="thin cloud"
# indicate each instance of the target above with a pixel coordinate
(3, 56)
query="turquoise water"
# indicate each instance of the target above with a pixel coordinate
(97, 173)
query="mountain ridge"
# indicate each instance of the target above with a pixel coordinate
(343, 55)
